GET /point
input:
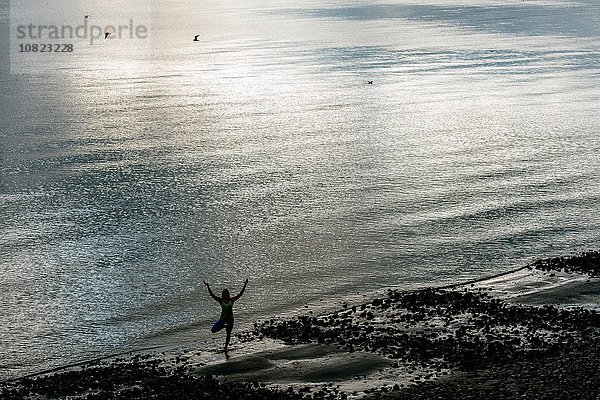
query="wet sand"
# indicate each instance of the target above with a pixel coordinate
(532, 333)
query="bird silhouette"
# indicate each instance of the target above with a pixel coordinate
(370, 82)
(86, 16)
(106, 35)
(196, 38)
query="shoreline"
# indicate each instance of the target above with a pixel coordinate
(454, 340)
(311, 307)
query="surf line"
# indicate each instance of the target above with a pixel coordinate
(80, 363)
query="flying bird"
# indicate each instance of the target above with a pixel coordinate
(370, 82)
(86, 16)
(106, 35)
(196, 38)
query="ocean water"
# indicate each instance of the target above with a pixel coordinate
(131, 172)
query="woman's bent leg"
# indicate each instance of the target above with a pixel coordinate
(217, 326)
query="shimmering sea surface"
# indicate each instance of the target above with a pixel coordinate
(130, 173)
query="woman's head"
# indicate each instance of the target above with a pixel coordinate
(225, 295)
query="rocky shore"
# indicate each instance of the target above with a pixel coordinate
(585, 263)
(435, 343)
(572, 375)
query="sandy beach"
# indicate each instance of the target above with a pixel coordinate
(531, 333)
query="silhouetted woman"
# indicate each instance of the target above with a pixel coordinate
(226, 319)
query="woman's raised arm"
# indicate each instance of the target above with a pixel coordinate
(242, 292)
(211, 293)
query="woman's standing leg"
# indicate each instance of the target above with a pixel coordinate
(228, 329)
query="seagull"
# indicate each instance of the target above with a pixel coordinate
(196, 38)
(106, 35)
